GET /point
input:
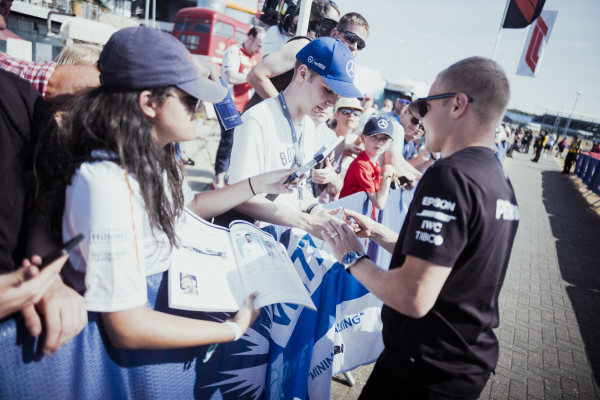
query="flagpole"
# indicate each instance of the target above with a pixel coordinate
(500, 30)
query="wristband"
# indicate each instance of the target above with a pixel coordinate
(237, 331)
(432, 157)
(310, 208)
(251, 188)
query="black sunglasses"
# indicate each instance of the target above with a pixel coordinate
(424, 106)
(348, 111)
(413, 120)
(353, 38)
(190, 102)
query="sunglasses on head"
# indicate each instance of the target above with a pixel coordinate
(413, 120)
(424, 105)
(348, 111)
(353, 38)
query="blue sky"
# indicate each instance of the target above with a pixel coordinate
(417, 39)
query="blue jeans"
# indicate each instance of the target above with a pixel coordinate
(224, 151)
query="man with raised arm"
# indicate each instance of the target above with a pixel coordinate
(273, 73)
(441, 291)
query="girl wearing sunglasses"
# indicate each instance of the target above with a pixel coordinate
(330, 178)
(109, 171)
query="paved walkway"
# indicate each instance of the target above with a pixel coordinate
(550, 303)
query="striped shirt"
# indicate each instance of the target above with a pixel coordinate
(37, 73)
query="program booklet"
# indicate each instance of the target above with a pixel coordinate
(215, 268)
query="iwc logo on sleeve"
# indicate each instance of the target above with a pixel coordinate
(382, 123)
(350, 69)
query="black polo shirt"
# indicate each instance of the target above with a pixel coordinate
(464, 215)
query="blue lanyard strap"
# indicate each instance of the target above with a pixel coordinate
(297, 146)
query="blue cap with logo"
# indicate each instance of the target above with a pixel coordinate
(333, 60)
(379, 124)
(127, 62)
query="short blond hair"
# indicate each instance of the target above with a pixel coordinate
(483, 80)
(78, 54)
(352, 18)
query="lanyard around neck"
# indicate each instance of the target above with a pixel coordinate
(297, 145)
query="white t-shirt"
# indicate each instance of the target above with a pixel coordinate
(273, 40)
(264, 143)
(97, 204)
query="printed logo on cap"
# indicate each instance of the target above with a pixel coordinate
(311, 60)
(350, 69)
(382, 123)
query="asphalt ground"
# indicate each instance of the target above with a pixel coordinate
(550, 303)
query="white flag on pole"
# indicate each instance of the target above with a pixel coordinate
(537, 38)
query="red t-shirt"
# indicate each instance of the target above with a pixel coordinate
(362, 176)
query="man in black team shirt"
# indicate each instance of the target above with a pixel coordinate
(450, 258)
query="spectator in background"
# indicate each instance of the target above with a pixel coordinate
(238, 60)
(539, 144)
(330, 177)
(285, 29)
(78, 54)
(572, 154)
(501, 142)
(560, 147)
(273, 73)
(387, 105)
(595, 147)
(403, 121)
(550, 143)
(364, 174)
(369, 110)
(526, 142)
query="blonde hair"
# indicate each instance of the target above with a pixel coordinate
(78, 54)
(350, 19)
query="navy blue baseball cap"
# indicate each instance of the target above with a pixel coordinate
(144, 58)
(377, 125)
(333, 60)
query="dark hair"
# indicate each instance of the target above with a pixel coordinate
(111, 120)
(255, 30)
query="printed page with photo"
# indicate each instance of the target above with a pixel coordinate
(265, 267)
(215, 269)
(204, 275)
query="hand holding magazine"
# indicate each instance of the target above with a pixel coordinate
(215, 268)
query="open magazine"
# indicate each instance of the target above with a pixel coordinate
(215, 268)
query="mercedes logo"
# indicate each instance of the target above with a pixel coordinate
(350, 69)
